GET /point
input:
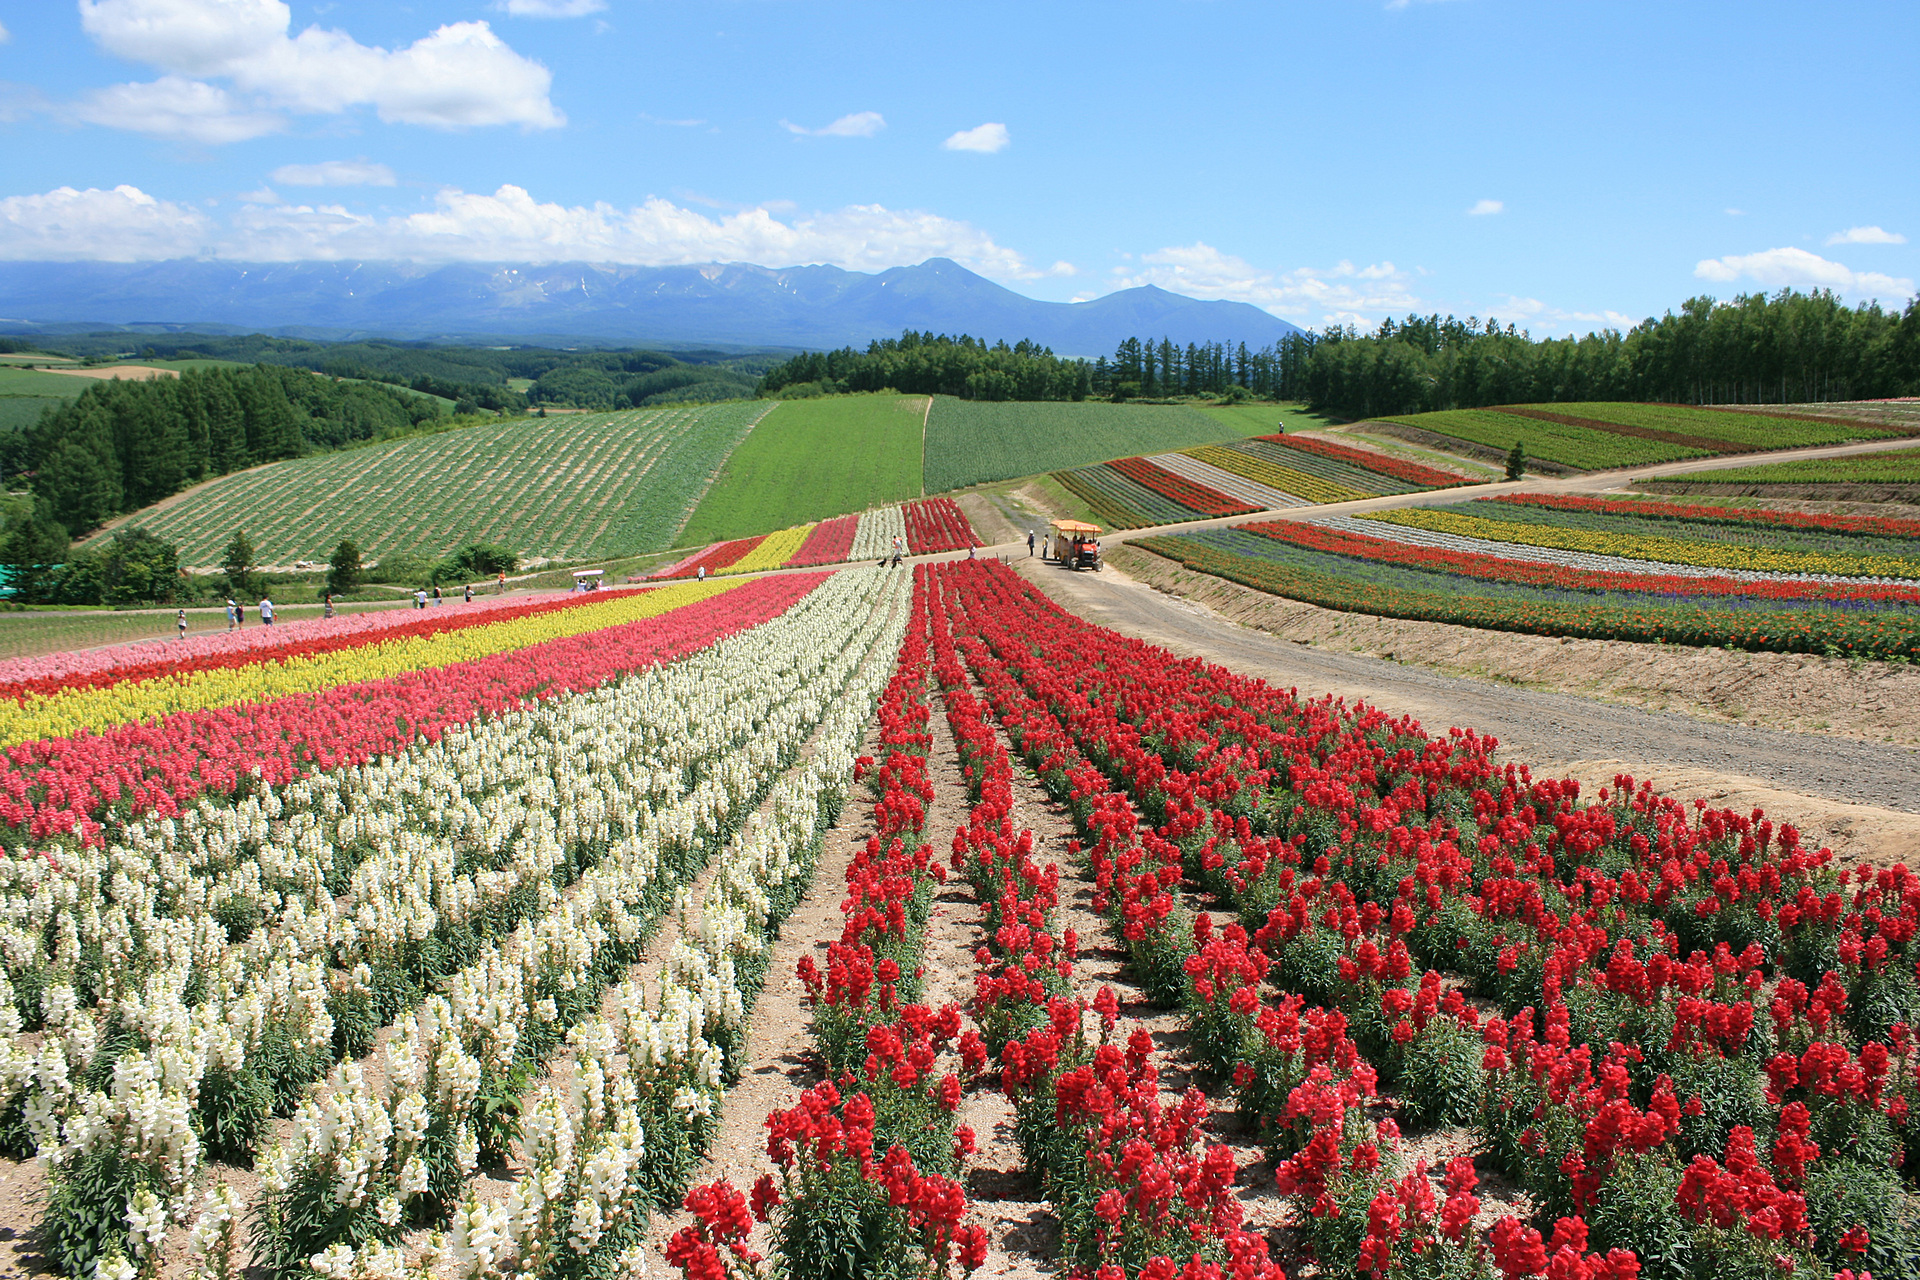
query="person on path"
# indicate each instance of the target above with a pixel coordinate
(436, 595)
(233, 614)
(1029, 544)
(970, 551)
(503, 582)
(180, 621)
(703, 573)
(327, 612)
(469, 593)
(419, 597)
(266, 612)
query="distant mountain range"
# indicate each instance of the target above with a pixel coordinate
(730, 303)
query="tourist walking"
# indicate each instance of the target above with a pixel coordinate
(327, 609)
(436, 596)
(233, 614)
(1029, 544)
(503, 582)
(419, 597)
(266, 612)
(469, 593)
(181, 622)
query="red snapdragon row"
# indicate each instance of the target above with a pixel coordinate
(719, 556)
(1313, 537)
(1188, 493)
(235, 649)
(1398, 468)
(1324, 819)
(71, 784)
(828, 543)
(937, 524)
(1879, 526)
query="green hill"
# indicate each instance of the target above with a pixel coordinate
(572, 485)
(973, 441)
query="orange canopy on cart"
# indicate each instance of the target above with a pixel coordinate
(1075, 526)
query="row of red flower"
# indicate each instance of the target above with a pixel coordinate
(1193, 496)
(1819, 522)
(1546, 907)
(937, 524)
(76, 783)
(1313, 537)
(1398, 468)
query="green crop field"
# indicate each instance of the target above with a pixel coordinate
(1583, 448)
(811, 459)
(578, 485)
(19, 412)
(34, 382)
(1264, 419)
(1898, 466)
(973, 441)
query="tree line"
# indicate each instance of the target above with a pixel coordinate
(1788, 348)
(121, 445)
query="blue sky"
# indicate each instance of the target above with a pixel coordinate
(1561, 165)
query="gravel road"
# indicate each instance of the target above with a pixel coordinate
(1530, 724)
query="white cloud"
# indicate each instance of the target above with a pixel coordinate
(1736, 213)
(264, 195)
(1797, 268)
(549, 8)
(689, 123)
(1481, 208)
(986, 138)
(5, 35)
(335, 173)
(1537, 315)
(121, 225)
(1340, 294)
(1866, 235)
(172, 107)
(459, 75)
(861, 124)
(507, 226)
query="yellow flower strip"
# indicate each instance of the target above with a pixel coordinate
(59, 715)
(1285, 479)
(774, 550)
(1710, 555)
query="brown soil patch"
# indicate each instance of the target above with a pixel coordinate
(1797, 692)
(131, 372)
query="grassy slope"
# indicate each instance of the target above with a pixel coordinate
(1265, 419)
(33, 382)
(1581, 447)
(811, 459)
(1900, 466)
(970, 442)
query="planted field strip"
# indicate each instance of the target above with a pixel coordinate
(1120, 502)
(1896, 466)
(1304, 482)
(1330, 470)
(973, 441)
(1581, 448)
(1773, 430)
(1227, 482)
(588, 485)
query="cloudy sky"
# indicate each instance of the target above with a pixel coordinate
(1564, 164)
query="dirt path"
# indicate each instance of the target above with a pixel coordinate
(1862, 798)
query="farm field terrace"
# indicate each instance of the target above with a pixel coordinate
(974, 441)
(1259, 474)
(807, 460)
(574, 486)
(412, 913)
(1630, 569)
(1894, 467)
(1604, 435)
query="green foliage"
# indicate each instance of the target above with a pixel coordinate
(970, 442)
(136, 567)
(32, 547)
(1842, 1194)
(811, 460)
(479, 560)
(1898, 467)
(936, 364)
(237, 562)
(344, 570)
(232, 1115)
(1440, 1073)
(1517, 461)
(86, 1214)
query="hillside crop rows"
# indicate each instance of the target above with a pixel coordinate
(361, 979)
(973, 441)
(1639, 569)
(811, 459)
(1901, 466)
(588, 485)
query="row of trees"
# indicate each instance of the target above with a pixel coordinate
(1791, 347)
(120, 445)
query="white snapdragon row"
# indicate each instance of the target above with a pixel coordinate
(660, 1059)
(809, 660)
(874, 537)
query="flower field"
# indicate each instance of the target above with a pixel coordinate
(1260, 474)
(571, 485)
(1683, 1036)
(924, 526)
(1597, 436)
(1601, 568)
(450, 929)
